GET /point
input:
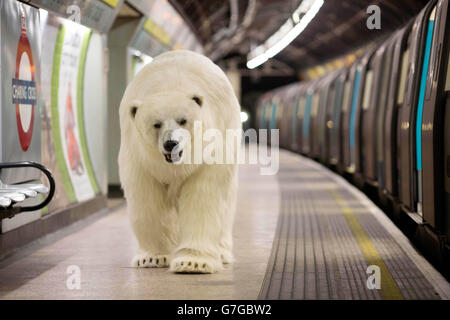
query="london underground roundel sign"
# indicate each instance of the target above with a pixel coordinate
(24, 94)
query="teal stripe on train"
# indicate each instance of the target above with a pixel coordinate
(423, 83)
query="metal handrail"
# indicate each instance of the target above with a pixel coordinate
(12, 210)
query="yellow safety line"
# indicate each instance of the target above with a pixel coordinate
(389, 289)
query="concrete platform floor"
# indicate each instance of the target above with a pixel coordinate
(103, 245)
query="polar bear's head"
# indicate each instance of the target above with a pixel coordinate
(167, 98)
(165, 123)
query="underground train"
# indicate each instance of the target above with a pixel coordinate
(383, 122)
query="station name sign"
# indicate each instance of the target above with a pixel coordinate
(23, 92)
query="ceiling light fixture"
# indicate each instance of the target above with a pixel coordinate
(290, 30)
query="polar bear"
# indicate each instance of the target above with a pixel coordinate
(181, 212)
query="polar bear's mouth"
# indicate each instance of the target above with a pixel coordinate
(173, 157)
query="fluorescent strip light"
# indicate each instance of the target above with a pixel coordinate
(287, 38)
(258, 60)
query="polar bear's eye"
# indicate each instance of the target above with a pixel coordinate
(157, 125)
(197, 100)
(133, 111)
(182, 122)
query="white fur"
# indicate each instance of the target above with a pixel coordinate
(182, 214)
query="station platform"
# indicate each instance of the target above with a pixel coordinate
(304, 233)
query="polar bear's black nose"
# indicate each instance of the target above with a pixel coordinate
(169, 145)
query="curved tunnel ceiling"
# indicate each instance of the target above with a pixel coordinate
(232, 28)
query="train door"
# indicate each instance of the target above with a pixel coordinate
(289, 116)
(294, 145)
(272, 117)
(313, 139)
(381, 113)
(335, 132)
(300, 116)
(430, 119)
(407, 116)
(328, 121)
(350, 90)
(261, 117)
(283, 111)
(397, 83)
(372, 101)
(382, 124)
(363, 84)
(293, 109)
(279, 116)
(323, 97)
(306, 121)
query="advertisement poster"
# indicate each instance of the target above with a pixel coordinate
(67, 112)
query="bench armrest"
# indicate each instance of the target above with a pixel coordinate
(13, 210)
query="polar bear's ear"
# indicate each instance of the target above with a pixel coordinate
(197, 99)
(134, 107)
(133, 111)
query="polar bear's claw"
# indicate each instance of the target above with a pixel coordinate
(192, 264)
(148, 260)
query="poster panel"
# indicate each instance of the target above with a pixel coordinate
(67, 112)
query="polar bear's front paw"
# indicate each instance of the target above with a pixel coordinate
(148, 260)
(195, 264)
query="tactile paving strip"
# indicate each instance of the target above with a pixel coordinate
(325, 241)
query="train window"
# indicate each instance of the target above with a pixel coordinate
(367, 89)
(433, 56)
(404, 71)
(315, 104)
(346, 95)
